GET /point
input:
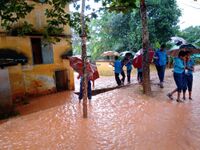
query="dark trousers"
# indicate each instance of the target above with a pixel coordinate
(139, 76)
(117, 79)
(178, 78)
(123, 76)
(161, 72)
(129, 75)
(189, 81)
(184, 82)
(89, 90)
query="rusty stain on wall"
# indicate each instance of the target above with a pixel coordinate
(37, 79)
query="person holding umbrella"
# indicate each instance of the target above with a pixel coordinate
(189, 73)
(160, 60)
(128, 63)
(92, 74)
(89, 88)
(123, 62)
(179, 75)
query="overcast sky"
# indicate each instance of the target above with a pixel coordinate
(190, 13)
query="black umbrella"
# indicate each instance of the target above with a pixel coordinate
(184, 47)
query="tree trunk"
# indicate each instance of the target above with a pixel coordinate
(84, 59)
(145, 47)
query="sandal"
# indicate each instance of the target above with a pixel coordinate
(170, 96)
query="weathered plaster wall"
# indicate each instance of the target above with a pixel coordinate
(5, 90)
(35, 79)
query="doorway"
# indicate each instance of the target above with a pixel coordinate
(5, 89)
(61, 80)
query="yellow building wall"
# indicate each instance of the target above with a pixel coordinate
(20, 44)
(38, 19)
(38, 79)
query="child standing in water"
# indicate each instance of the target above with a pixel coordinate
(189, 73)
(117, 69)
(179, 73)
(89, 88)
(128, 64)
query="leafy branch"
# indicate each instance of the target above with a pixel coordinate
(11, 11)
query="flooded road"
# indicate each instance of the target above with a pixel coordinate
(120, 119)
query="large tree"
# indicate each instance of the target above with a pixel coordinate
(120, 32)
(129, 5)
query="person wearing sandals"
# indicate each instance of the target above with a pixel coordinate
(161, 60)
(179, 75)
(189, 73)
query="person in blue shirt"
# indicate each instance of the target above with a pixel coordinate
(123, 63)
(160, 60)
(128, 64)
(179, 73)
(189, 73)
(117, 70)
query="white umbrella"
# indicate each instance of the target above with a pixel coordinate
(178, 40)
(110, 53)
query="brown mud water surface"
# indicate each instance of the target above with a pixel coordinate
(119, 119)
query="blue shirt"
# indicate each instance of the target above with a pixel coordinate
(178, 65)
(162, 58)
(129, 66)
(118, 66)
(190, 64)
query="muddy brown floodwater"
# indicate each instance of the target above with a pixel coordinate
(121, 119)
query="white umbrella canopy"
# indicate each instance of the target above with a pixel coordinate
(123, 54)
(139, 52)
(110, 53)
(178, 40)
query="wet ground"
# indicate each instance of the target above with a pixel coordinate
(119, 119)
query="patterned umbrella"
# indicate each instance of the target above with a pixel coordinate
(95, 73)
(174, 51)
(77, 64)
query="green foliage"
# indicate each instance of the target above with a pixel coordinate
(163, 19)
(191, 34)
(22, 30)
(11, 11)
(121, 32)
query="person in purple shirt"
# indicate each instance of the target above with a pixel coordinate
(160, 60)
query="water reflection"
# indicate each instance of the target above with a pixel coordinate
(120, 119)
